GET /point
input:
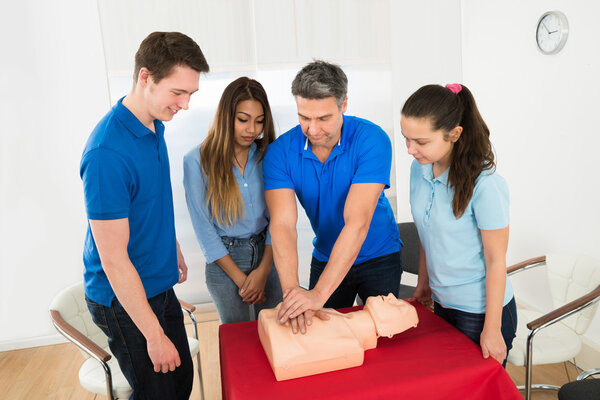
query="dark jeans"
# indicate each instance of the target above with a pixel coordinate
(472, 324)
(378, 276)
(128, 345)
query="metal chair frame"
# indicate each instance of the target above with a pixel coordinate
(99, 354)
(547, 320)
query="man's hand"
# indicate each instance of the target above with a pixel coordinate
(253, 288)
(163, 354)
(492, 344)
(422, 294)
(296, 302)
(302, 321)
(181, 265)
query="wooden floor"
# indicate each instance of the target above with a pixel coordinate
(50, 372)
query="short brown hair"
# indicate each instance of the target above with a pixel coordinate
(160, 52)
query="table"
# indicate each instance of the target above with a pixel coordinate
(432, 361)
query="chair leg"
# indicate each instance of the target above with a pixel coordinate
(528, 365)
(567, 371)
(109, 388)
(195, 327)
(528, 368)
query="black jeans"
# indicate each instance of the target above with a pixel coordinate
(378, 276)
(128, 345)
(472, 324)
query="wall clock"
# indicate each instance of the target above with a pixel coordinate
(552, 31)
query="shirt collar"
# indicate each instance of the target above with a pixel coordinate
(133, 124)
(341, 145)
(428, 174)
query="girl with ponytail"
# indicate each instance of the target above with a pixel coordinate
(460, 206)
(225, 197)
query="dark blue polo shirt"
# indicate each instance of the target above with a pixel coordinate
(363, 155)
(125, 173)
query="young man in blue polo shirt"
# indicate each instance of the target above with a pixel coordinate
(131, 256)
(338, 166)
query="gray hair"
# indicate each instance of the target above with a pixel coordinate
(319, 80)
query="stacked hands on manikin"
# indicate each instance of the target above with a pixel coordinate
(299, 307)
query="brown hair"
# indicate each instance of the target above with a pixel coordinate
(160, 52)
(223, 195)
(473, 152)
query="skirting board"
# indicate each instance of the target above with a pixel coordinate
(36, 341)
(590, 351)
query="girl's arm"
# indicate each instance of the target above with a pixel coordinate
(422, 292)
(495, 243)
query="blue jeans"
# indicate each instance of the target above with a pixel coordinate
(378, 276)
(128, 345)
(472, 324)
(247, 254)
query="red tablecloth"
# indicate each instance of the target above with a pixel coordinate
(431, 361)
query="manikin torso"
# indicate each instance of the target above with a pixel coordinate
(337, 343)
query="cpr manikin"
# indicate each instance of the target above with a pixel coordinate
(333, 344)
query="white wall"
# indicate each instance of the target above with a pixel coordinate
(543, 115)
(53, 91)
(425, 48)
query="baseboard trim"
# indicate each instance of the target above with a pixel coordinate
(36, 341)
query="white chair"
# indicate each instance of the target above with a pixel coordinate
(100, 373)
(575, 289)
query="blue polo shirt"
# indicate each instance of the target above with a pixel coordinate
(363, 155)
(125, 173)
(453, 247)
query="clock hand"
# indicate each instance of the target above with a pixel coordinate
(545, 27)
(553, 32)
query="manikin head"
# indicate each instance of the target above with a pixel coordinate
(391, 316)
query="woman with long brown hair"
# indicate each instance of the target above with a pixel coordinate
(460, 206)
(225, 197)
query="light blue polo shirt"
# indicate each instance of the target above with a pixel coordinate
(453, 247)
(363, 155)
(125, 173)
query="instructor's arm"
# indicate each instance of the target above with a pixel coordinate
(111, 237)
(358, 210)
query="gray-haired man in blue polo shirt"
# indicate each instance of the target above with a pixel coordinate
(338, 166)
(131, 256)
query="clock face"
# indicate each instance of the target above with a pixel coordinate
(552, 32)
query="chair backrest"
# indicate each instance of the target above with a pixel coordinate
(70, 303)
(410, 251)
(570, 277)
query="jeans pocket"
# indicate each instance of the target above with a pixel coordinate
(98, 313)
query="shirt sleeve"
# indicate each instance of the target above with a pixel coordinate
(195, 195)
(491, 202)
(275, 171)
(374, 158)
(107, 184)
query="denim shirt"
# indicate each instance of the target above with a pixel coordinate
(255, 218)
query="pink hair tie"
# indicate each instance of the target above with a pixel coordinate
(454, 87)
